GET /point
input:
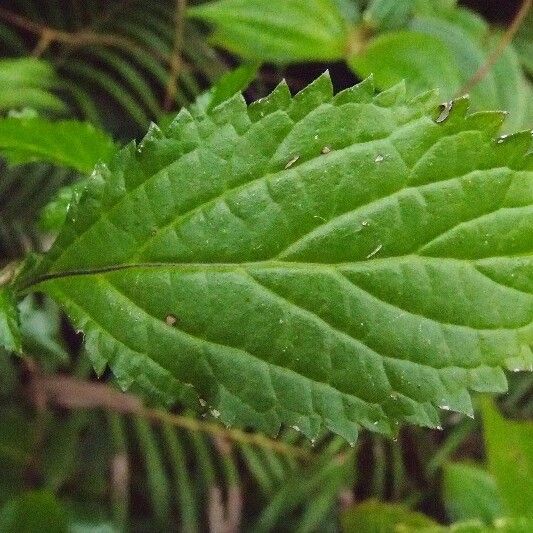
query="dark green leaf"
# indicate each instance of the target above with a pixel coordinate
(375, 517)
(34, 512)
(314, 260)
(470, 493)
(10, 336)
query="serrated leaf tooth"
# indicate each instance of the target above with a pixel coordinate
(522, 363)
(154, 133)
(458, 401)
(233, 111)
(487, 379)
(318, 92)
(363, 92)
(101, 170)
(279, 99)
(181, 125)
(510, 149)
(393, 96)
(426, 101)
(489, 122)
(423, 414)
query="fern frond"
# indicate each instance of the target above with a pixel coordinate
(115, 52)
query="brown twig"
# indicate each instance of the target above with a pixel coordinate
(493, 57)
(72, 393)
(175, 59)
(76, 39)
(224, 517)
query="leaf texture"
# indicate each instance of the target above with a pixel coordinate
(316, 261)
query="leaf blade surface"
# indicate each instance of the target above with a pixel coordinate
(316, 260)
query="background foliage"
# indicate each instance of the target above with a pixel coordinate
(77, 455)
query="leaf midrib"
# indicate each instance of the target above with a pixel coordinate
(218, 196)
(337, 268)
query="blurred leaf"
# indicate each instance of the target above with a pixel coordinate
(68, 143)
(315, 490)
(388, 14)
(277, 30)
(27, 82)
(349, 9)
(34, 512)
(232, 82)
(158, 485)
(17, 433)
(470, 492)
(10, 336)
(434, 7)
(376, 517)
(523, 43)
(469, 40)
(509, 447)
(119, 79)
(40, 328)
(8, 375)
(420, 59)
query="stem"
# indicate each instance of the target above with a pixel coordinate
(73, 393)
(493, 57)
(81, 38)
(175, 59)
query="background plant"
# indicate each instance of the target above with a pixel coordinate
(174, 472)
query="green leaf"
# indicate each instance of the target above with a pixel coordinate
(509, 447)
(470, 40)
(40, 329)
(435, 7)
(350, 10)
(441, 48)
(470, 493)
(10, 336)
(232, 82)
(316, 260)
(277, 30)
(17, 441)
(34, 512)
(388, 14)
(68, 143)
(27, 82)
(523, 43)
(421, 59)
(376, 517)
